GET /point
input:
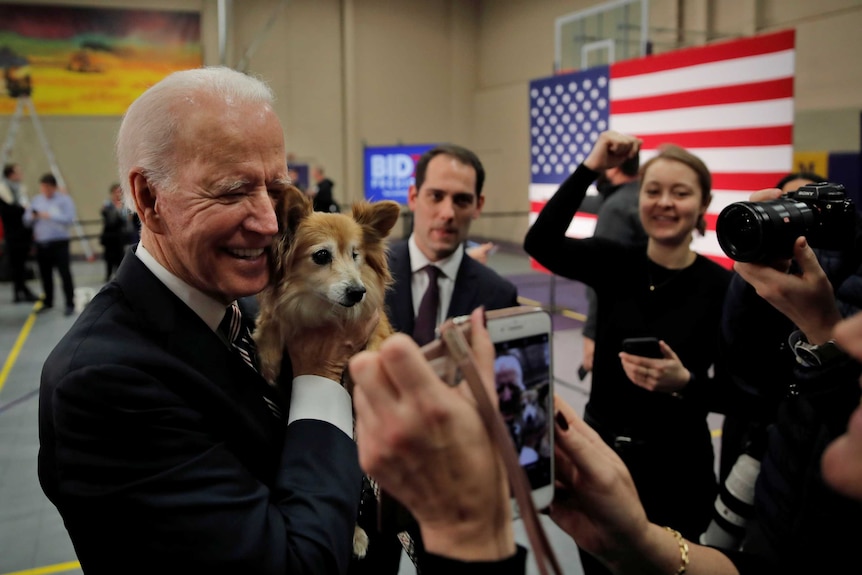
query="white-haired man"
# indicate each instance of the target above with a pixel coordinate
(162, 447)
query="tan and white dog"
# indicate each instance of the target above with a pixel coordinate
(329, 270)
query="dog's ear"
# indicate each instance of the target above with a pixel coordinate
(377, 217)
(376, 220)
(291, 208)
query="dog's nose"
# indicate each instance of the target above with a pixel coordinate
(355, 294)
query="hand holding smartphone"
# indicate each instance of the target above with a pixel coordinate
(522, 341)
(643, 347)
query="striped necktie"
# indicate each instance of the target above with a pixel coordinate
(240, 340)
(238, 335)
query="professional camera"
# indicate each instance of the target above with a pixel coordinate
(760, 231)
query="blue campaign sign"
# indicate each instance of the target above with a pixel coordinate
(389, 171)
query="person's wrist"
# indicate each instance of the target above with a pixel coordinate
(653, 550)
(478, 539)
(592, 164)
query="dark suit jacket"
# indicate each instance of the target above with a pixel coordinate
(476, 284)
(158, 449)
(324, 201)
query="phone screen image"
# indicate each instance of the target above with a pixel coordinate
(522, 372)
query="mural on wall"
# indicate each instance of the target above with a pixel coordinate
(90, 61)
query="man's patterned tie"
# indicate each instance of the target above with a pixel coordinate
(240, 339)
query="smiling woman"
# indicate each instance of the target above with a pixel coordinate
(648, 409)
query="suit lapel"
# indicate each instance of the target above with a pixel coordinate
(229, 381)
(401, 294)
(465, 294)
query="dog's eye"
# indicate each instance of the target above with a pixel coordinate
(355, 256)
(321, 257)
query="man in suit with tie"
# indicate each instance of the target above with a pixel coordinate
(161, 446)
(433, 277)
(445, 199)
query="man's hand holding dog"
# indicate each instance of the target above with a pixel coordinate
(317, 352)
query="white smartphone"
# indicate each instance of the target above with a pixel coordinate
(523, 372)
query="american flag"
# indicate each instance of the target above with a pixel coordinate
(730, 103)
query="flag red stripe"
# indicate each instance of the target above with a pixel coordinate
(536, 207)
(751, 92)
(765, 44)
(746, 181)
(771, 136)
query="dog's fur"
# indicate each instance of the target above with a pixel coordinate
(328, 271)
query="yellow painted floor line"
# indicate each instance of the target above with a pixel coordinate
(58, 568)
(19, 343)
(565, 312)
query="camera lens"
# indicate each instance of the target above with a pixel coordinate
(757, 231)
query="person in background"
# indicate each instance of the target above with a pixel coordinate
(17, 237)
(118, 230)
(649, 409)
(321, 192)
(445, 199)
(51, 214)
(617, 218)
(161, 445)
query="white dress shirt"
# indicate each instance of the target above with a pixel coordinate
(419, 278)
(312, 396)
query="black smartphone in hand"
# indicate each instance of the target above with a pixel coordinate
(643, 346)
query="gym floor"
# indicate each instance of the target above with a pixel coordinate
(33, 540)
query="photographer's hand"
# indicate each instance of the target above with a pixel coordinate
(807, 298)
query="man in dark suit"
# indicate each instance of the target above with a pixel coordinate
(445, 199)
(160, 444)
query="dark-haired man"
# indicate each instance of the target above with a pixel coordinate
(445, 199)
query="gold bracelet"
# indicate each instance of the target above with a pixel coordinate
(683, 551)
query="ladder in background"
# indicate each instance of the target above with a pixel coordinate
(25, 103)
